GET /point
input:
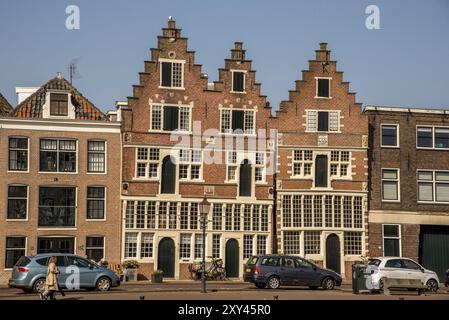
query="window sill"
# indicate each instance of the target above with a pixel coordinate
(323, 98)
(391, 201)
(191, 181)
(172, 88)
(18, 171)
(17, 220)
(170, 132)
(432, 149)
(390, 147)
(301, 177)
(145, 179)
(97, 173)
(95, 220)
(322, 132)
(56, 172)
(237, 134)
(433, 202)
(238, 92)
(57, 228)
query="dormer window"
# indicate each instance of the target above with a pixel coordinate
(238, 81)
(323, 87)
(59, 104)
(172, 74)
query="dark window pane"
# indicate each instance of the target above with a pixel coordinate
(56, 207)
(166, 74)
(17, 191)
(56, 245)
(17, 202)
(323, 88)
(18, 154)
(238, 81)
(245, 184)
(15, 242)
(395, 263)
(391, 247)
(15, 249)
(321, 171)
(168, 176)
(424, 136)
(67, 161)
(441, 138)
(408, 264)
(391, 231)
(323, 121)
(238, 117)
(94, 241)
(95, 192)
(170, 118)
(48, 161)
(59, 104)
(389, 136)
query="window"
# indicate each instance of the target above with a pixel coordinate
(433, 186)
(95, 202)
(409, 264)
(245, 178)
(247, 217)
(56, 244)
(57, 206)
(18, 154)
(237, 121)
(256, 219)
(184, 246)
(353, 243)
(321, 175)
(15, 248)
(216, 245)
(238, 81)
(302, 163)
(247, 246)
(59, 104)
(390, 135)
(340, 164)
(146, 245)
(228, 217)
(322, 121)
(430, 137)
(172, 74)
(57, 155)
(131, 245)
(261, 244)
(390, 185)
(263, 219)
(237, 226)
(291, 242)
(260, 167)
(312, 242)
(322, 88)
(17, 202)
(147, 163)
(217, 216)
(231, 166)
(190, 163)
(392, 240)
(198, 246)
(95, 248)
(96, 156)
(170, 118)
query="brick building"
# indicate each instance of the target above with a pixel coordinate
(185, 138)
(60, 168)
(5, 107)
(322, 175)
(409, 185)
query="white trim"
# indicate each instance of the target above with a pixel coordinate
(182, 62)
(162, 105)
(398, 180)
(434, 182)
(60, 125)
(397, 135)
(433, 127)
(104, 205)
(28, 202)
(399, 238)
(28, 153)
(26, 248)
(57, 150)
(328, 124)
(105, 157)
(316, 88)
(232, 81)
(406, 109)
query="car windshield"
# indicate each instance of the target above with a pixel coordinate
(23, 261)
(252, 261)
(374, 262)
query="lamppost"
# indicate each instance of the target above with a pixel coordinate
(204, 211)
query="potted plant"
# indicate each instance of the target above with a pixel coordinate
(130, 270)
(157, 276)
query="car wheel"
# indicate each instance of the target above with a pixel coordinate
(39, 285)
(328, 283)
(103, 284)
(381, 285)
(273, 282)
(260, 285)
(432, 285)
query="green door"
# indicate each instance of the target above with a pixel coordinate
(434, 249)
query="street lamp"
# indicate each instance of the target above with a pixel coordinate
(204, 211)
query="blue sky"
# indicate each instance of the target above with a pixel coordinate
(405, 63)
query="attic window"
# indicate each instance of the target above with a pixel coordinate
(238, 81)
(59, 104)
(322, 88)
(172, 74)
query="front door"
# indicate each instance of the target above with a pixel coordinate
(333, 253)
(232, 258)
(166, 257)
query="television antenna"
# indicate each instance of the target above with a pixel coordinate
(73, 69)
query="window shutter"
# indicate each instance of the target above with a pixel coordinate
(311, 120)
(323, 121)
(238, 120)
(166, 74)
(170, 118)
(321, 171)
(334, 121)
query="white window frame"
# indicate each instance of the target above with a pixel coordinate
(302, 163)
(105, 157)
(233, 165)
(434, 182)
(57, 150)
(147, 163)
(259, 166)
(244, 81)
(399, 238)
(229, 130)
(28, 200)
(46, 107)
(189, 163)
(104, 199)
(397, 135)
(28, 154)
(315, 130)
(433, 127)
(182, 62)
(26, 247)
(162, 106)
(97, 236)
(316, 88)
(398, 181)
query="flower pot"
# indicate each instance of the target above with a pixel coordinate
(129, 275)
(157, 278)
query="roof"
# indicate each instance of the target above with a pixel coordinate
(32, 106)
(406, 109)
(5, 107)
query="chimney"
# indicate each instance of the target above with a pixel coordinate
(171, 31)
(24, 92)
(323, 54)
(59, 75)
(238, 53)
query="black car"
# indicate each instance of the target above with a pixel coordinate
(272, 271)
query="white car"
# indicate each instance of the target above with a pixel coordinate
(399, 268)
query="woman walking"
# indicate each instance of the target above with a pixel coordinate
(51, 281)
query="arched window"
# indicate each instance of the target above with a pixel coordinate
(245, 179)
(168, 175)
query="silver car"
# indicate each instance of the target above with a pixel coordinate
(76, 273)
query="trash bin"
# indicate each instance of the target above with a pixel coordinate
(360, 279)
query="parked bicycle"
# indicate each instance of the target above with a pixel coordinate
(214, 269)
